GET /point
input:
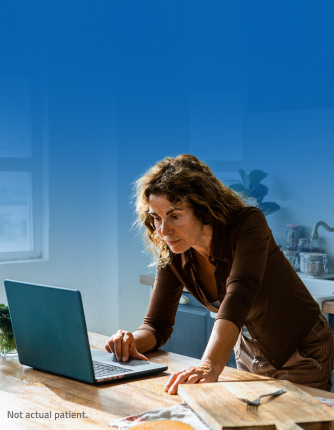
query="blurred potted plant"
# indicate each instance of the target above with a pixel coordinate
(250, 187)
(7, 341)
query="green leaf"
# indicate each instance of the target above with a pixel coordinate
(239, 188)
(5, 322)
(244, 177)
(269, 207)
(255, 177)
(259, 192)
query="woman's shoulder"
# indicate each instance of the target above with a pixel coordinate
(248, 213)
(249, 219)
(244, 218)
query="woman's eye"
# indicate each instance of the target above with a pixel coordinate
(176, 216)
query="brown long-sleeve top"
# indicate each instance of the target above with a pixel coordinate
(256, 286)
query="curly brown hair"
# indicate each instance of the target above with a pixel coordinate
(183, 179)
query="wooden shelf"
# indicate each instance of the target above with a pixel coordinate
(328, 307)
(147, 279)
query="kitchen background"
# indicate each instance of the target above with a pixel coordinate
(114, 88)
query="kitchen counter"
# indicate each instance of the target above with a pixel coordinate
(149, 280)
(326, 306)
(23, 389)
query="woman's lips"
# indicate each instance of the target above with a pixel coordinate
(172, 242)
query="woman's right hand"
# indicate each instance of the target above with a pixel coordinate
(123, 345)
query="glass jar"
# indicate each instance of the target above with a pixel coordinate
(302, 261)
(292, 257)
(303, 245)
(7, 343)
(315, 264)
(315, 244)
(292, 236)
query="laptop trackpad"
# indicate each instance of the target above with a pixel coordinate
(105, 357)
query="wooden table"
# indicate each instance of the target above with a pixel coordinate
(25, 390)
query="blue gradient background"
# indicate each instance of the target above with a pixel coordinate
(129, 83)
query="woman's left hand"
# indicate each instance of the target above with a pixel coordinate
(193, 375)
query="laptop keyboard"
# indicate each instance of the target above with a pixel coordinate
(102, 369)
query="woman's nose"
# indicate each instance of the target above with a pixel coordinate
(165, 228)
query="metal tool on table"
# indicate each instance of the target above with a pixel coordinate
(256, 402)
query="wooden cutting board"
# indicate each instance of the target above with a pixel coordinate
(218, 406)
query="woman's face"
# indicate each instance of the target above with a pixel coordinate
(177, 225)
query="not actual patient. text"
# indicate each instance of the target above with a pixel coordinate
(46, 415)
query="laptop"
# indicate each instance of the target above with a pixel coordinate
(51, 335)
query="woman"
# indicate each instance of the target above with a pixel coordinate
(207, 239)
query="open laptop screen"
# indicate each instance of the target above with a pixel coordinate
(50, 329)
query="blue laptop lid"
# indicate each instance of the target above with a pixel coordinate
(50, 329)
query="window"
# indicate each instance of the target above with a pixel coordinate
(23, 217)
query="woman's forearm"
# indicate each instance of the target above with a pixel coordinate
(145, 340)
(222, 340)
(223, 337)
